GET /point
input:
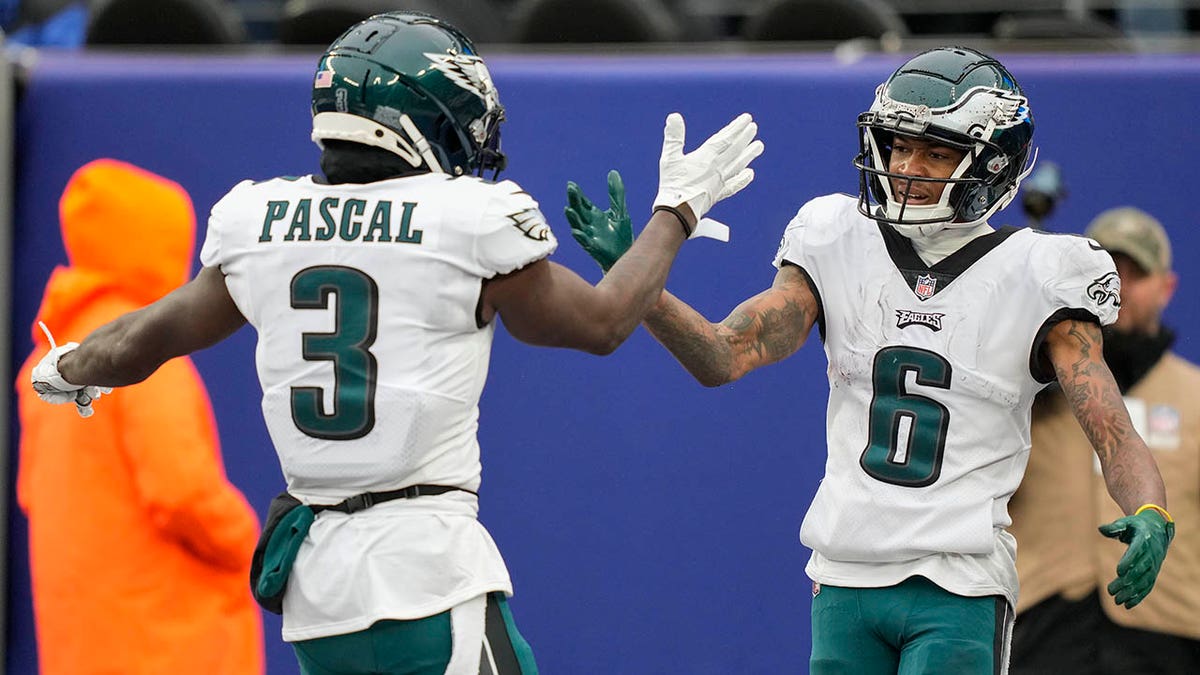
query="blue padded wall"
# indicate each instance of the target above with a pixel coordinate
(650, 524)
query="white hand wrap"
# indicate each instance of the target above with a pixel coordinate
(48, 382)
(51, 387)
(714, 171)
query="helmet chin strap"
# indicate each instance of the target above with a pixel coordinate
(920, 213)
(919, 231)
(420, 142)
(1028, 170)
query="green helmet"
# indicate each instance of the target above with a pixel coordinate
(960, 98)
(413, 85)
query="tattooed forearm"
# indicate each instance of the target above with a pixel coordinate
(1130, 472)
(765, 334)
(692, 340)
(1086, 381)
(764, 329)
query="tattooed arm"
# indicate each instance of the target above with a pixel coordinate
(1130, 472)
(762, 330)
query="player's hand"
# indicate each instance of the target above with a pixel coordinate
(605, 235)
(51, 387)
(1148, 534)
(712, 172)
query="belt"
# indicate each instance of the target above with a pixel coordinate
(368, 499)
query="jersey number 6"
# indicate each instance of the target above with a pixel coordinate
(907, 432)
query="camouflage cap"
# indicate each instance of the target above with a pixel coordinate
(1135, 233)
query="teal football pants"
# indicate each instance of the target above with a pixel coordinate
(418, 647)
(912, 628)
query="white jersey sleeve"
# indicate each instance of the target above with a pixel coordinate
(812, 241)
(212, 251)
(792, 246)
(1087, 285)
(815, 232)
(513, 232)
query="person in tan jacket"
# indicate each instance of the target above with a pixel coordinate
(1063, 623)
(139, 546)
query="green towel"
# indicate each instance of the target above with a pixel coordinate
(287, 525)
(281, 551)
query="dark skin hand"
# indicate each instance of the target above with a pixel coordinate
(547, 304)
(131, 347)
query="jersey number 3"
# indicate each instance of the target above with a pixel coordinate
(907, 432)
(356, 316)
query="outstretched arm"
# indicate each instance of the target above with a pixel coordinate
(128, 349)
(547, 304)
(1130, 472)
(762, 330)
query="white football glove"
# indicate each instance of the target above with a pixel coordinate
(51, 387)
(712, 172)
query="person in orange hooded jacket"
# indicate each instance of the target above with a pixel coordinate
(139, 546)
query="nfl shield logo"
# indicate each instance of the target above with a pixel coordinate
(925, 286)
(1164, 427)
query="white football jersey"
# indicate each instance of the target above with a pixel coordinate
(932, 373)
(372, 359)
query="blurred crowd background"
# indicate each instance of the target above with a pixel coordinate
(700, 24)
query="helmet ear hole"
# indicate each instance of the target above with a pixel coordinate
(448, 137)
(450, 143)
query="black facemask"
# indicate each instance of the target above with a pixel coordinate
(1131, 355)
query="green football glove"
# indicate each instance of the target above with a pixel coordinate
(605, 235)
(1148, 533)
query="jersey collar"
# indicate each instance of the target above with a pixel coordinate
(927, 281)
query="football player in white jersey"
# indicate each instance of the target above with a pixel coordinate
(930, 389)
(374, 291)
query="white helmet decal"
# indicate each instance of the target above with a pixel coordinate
(470, 73)
(978, 112)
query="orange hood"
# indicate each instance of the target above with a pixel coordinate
(126, 231)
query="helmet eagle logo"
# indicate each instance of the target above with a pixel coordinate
(468, 72)
(1011, 109)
